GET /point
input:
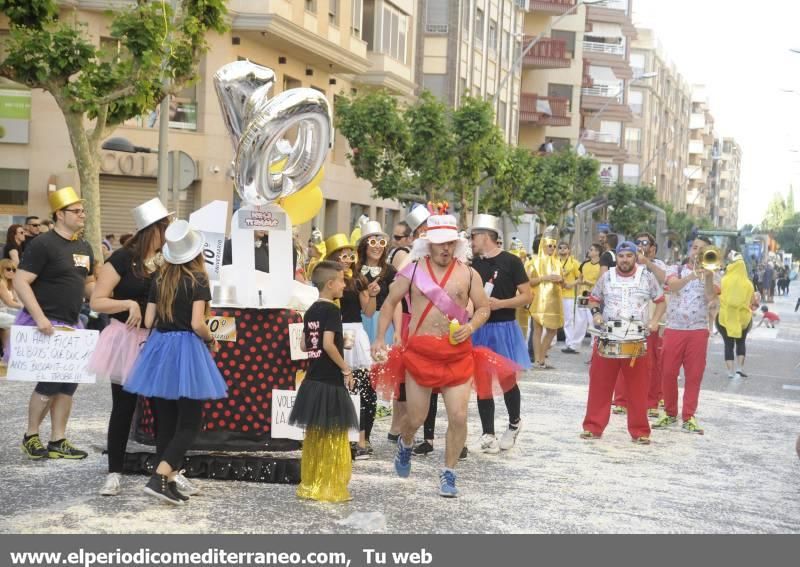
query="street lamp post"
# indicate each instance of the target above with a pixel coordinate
(518, 62)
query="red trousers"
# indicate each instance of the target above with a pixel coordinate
(687, 349)
(654, 342)
(603, 374)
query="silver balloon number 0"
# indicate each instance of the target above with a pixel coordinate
(280, 143)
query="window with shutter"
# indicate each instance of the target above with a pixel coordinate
(436, 16)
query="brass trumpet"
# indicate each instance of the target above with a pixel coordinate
(710, 259)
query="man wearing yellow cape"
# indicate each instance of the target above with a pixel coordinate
(547, 309)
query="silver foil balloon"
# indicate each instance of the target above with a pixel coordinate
(262, 144)
(235, 84)
(258, 126)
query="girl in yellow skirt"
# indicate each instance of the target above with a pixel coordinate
(323, 404)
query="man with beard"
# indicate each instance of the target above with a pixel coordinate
(438, 353)
(624, 291)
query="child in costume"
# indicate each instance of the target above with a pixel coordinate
(175, 368)
(323, 404)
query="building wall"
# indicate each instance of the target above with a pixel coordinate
(456, 57)
(302, 48)
(662, 122)
(537, 80)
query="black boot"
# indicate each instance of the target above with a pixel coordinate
(158, 486)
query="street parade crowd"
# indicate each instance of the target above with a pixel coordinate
(404, 317)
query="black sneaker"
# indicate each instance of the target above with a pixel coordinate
(464, 453)
(362, 454)
(159, 486)
(569, 350)
(173, 486)
(422, 448)
(393, 437)
(64, 450)
(32, 446)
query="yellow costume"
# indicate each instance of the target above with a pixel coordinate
(522, 312)
(546, 308)
(326, 466)
(571, 270)
(736, 293)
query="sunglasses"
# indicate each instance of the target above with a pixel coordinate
(643, 242)
(77, 212)
(32, 225)
(400, 236)
(377, 242)
(11, 269)
(347, 257)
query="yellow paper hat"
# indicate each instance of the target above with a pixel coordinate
(63, 198)
(335, 243)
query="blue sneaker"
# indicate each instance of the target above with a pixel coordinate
(402, 460)
(447, 484)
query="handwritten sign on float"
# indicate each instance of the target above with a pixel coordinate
(260, 218)
(60, 357)
(282, 403)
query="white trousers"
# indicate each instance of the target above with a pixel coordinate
(576, 323)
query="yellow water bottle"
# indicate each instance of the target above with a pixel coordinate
(454, 326)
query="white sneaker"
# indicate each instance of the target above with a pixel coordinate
(489, 444)
(111, 487)
(509, 437)
(184, 486)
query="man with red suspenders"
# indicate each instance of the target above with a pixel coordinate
(438, 353)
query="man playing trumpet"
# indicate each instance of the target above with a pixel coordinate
(686, 336)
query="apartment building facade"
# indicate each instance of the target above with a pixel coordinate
(729, 184)
(467, 47)
(334, 46)
(702, 171)
(552, 74)
(657, 139)
(607, 76)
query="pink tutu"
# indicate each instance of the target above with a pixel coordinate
(116, 351)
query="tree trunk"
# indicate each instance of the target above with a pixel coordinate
(88, 163)
(464, 203)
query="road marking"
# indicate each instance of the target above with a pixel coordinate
(791, 387)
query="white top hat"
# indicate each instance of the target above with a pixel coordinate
(183, 243)
(417, 216)
(486, 222)
(147, 213)
(371, 228)
(441, 229)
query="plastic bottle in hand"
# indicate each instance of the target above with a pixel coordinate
(454, 327)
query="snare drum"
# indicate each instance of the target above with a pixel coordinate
(612, 348)
(626, 330)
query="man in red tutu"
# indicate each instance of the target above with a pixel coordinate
(439, 353)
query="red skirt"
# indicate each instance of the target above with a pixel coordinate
(434, 363)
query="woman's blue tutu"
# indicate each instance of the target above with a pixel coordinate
(176, 365)
(371, 327)
(505, 338)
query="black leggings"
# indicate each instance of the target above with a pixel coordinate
(369, 400)
(430, 421)
(179, 422)
(123, 406)
(731, 342)
(513, 400)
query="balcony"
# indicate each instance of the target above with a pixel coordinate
(604, 48)
(696, 147)
(556, 7)
(606, 91)
(601, 137)
(547, 53)
(544, 110)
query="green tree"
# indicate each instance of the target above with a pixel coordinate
(513, 178)
(776, 213)
(626, 214)
(379, 140)
(49, 49)
(787, 235)
(479, 147)
(431, 154)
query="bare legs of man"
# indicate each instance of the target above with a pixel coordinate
(456, 400)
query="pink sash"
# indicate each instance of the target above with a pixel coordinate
(435, 294)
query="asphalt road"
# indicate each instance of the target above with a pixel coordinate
(741, 476)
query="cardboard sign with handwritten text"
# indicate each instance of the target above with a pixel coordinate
(282, 403)
(60, 357)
